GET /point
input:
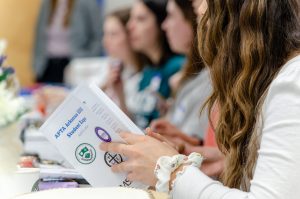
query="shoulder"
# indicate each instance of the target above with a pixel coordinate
(204, 76)
(283, 99)
(279, 129)
(290, 70)
(288, 79)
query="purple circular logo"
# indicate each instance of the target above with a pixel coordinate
(102, 134)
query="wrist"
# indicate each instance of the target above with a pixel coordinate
(174, 175)
(164, 168)
(168, 169)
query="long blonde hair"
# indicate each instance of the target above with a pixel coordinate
(245, 43)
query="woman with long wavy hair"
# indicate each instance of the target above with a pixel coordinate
(252, 48)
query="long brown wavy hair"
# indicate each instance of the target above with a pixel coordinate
(245, 43)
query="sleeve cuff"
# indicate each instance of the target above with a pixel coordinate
(191, 184)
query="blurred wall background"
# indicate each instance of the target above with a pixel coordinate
(17, 26)
(115, 4)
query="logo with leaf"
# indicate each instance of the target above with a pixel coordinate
(85, 153)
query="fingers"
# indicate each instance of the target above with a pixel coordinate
(193, 141)
(114, 70)
(124, 167)
(189, 139)
(131, 177)
(148, 131)
(115, 148)
(115, 78)
(158, 124)
(163, 139)
(157, 136)
(131, 138)
(114, 74)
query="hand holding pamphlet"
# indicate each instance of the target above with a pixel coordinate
(86, 118)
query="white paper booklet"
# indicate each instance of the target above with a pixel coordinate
(86, 118)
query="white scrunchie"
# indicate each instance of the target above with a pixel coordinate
(166, 165)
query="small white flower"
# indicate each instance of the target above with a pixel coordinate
(3, 44)
(11, 106)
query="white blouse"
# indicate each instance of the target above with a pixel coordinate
(277, 172)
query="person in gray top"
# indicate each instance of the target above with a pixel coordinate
(86, 31)
(52, 50)
(192, 85)
(65, 29)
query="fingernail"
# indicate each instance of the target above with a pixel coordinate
(149, 130)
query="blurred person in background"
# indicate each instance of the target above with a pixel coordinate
(191, 85)
(254, 66)
(160, 63)
(86, 29)
(125, 68)
(52, 50)
(185, 125)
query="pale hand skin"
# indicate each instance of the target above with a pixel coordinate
(168, 130)
(114, 81)
(142, 153)
(115, 84)
(213, 164)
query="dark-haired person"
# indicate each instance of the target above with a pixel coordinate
(53, 42)
(193, 86)
(184, 126)
(252, 49)
(125, 70)
(147, 38)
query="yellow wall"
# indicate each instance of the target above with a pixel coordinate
(17, 26)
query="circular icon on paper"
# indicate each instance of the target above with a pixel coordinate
(112, 158)
(102, 134)
(85, 153)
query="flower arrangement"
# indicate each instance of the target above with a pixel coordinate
(11, 106)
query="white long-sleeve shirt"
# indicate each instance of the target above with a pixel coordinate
(277, 171)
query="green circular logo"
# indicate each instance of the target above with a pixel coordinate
(85, 153)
